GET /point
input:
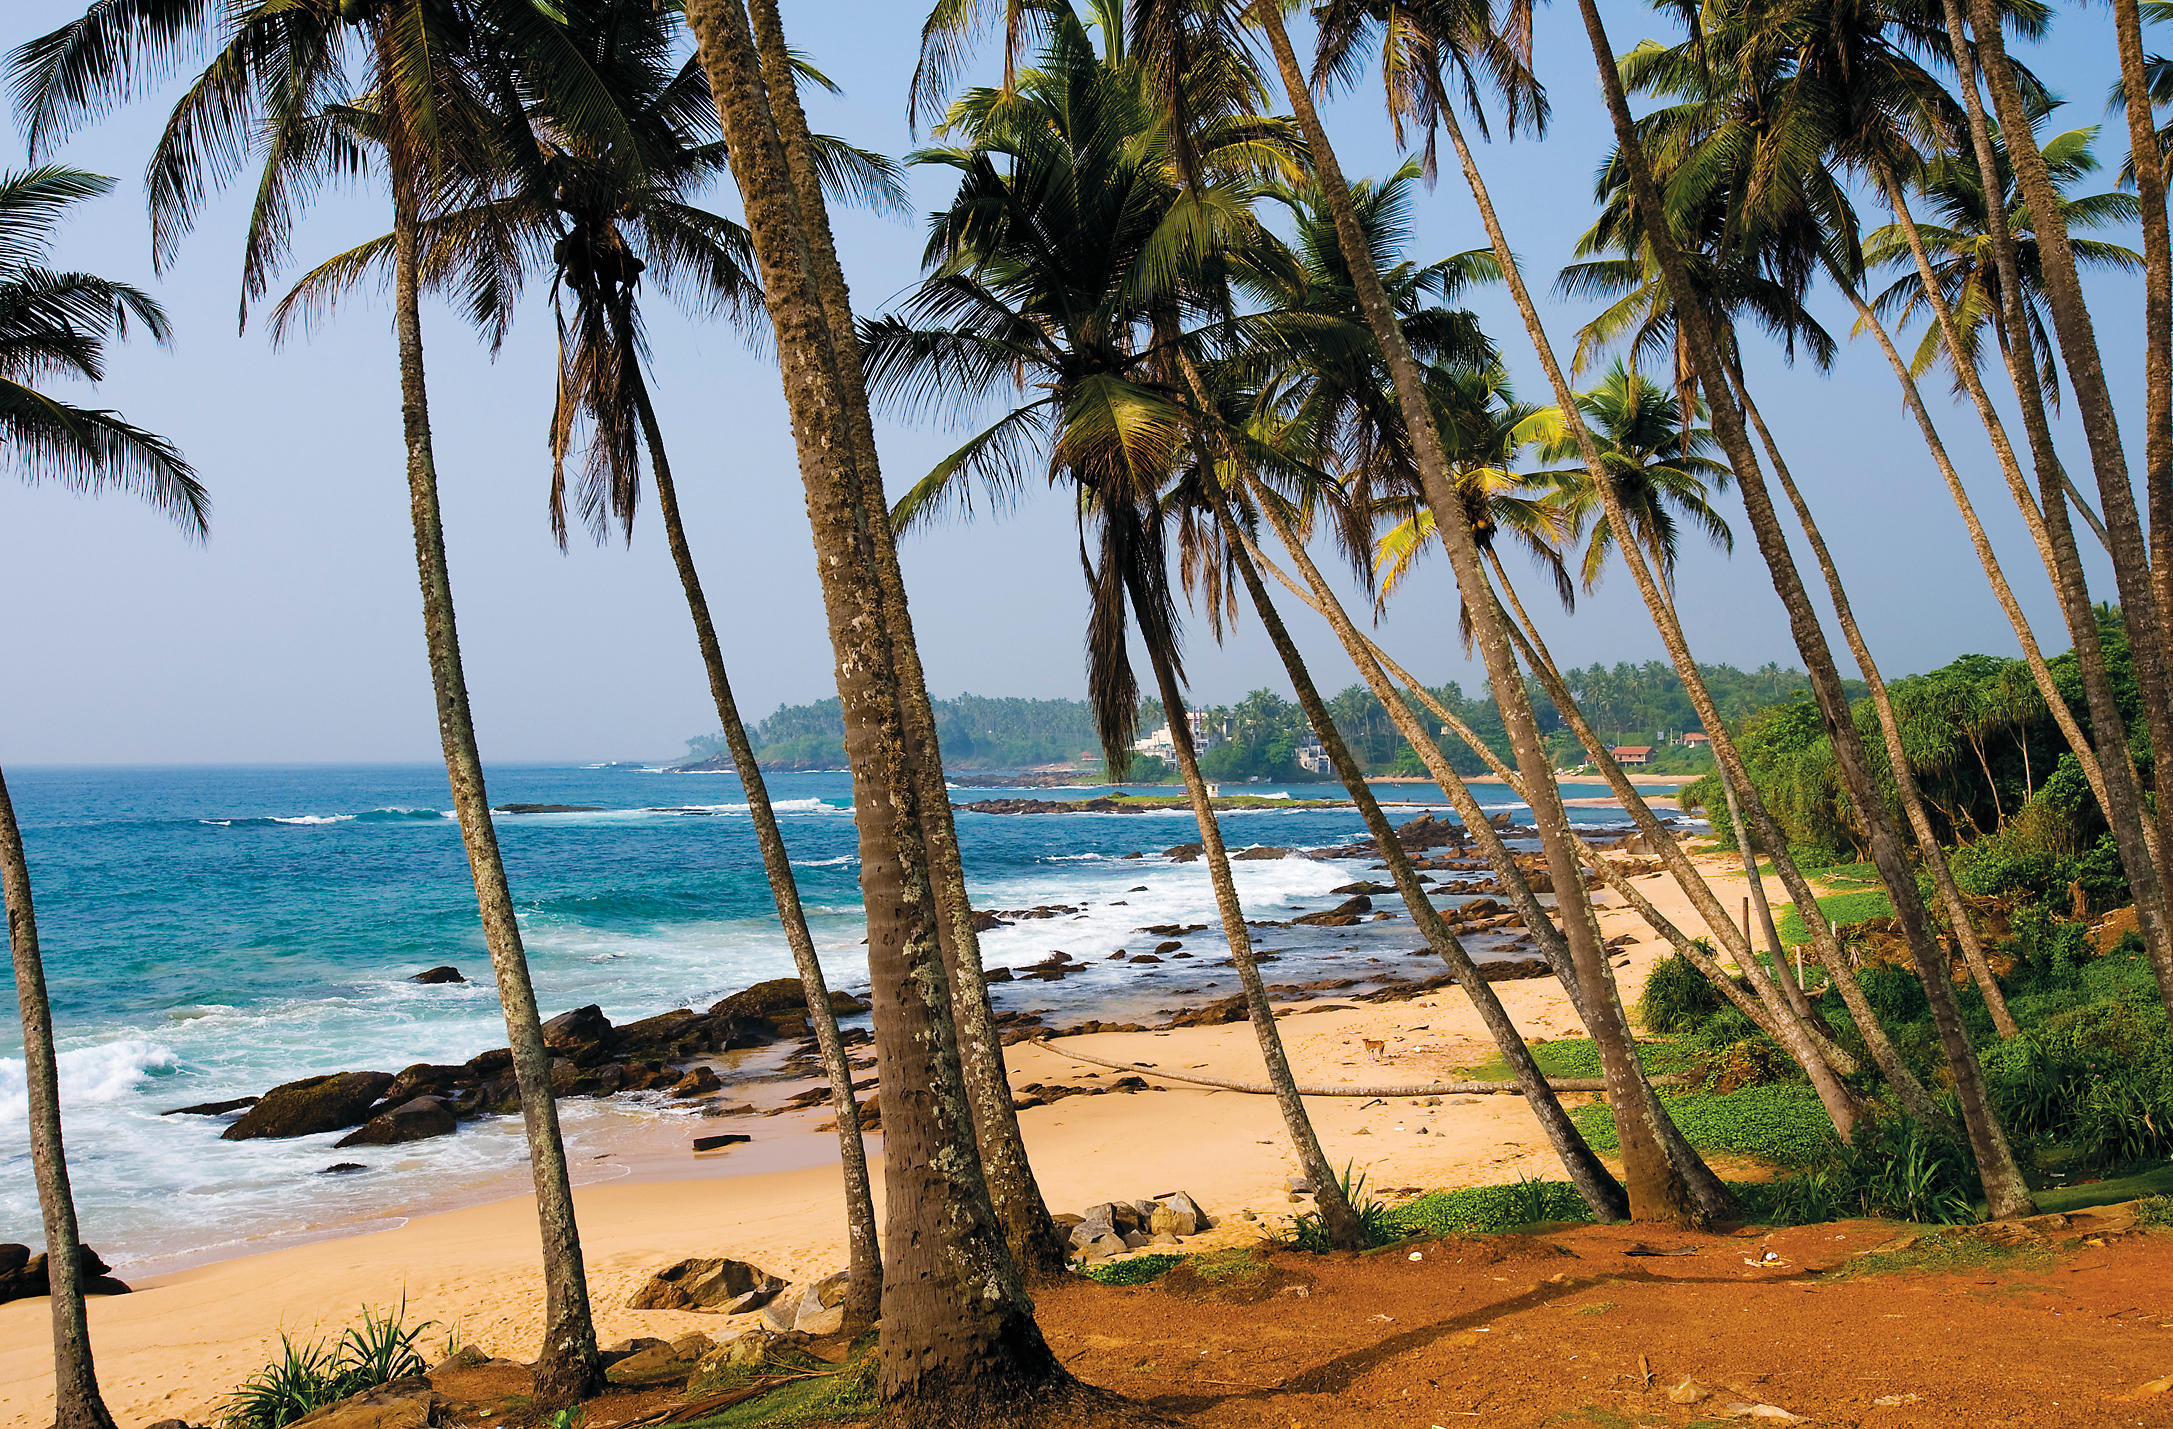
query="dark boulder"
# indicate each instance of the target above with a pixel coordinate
(415, 1120)
(423, 1079)
(439, 974)
(1183, 853)
(312, 1105)
(1261, 853)
(23, 1276)
(1343, 913)
(583, 1024)
(343, 1168)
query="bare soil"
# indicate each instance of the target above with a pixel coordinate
(2063, 1320)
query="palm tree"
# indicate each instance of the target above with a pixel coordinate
(1957, 232)
(959, 1343)
(2150, 628)
(1864, 75)
(1660, 463)
(609, 199)
(1048, 274)
(57, 324)
(316, 88)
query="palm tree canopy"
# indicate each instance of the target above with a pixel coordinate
(56, 324)
(1955, 227)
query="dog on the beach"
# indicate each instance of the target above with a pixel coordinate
(1378, 1049)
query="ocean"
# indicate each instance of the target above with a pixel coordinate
(210, 932)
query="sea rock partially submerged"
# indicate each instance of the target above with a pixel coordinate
(415, 1120)
(311, 1105)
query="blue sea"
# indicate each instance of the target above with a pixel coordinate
(210, 932)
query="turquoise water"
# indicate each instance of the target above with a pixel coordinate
(211, 932)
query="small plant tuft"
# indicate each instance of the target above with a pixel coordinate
(307, 1377)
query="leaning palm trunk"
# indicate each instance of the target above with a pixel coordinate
(1725, 752)
(959, 1344)
(2033, 656)
(1658, 1190)
(1337, 1218)
(2149, 164)
(1592, 1179)
(2005, 1191)
(2116, 783)
(1373, 666)
(1897, 759)
(2145, 864)
(2147, 640)
(1032, 1235)
(568, 1369)
(76, 1401)
(864, 1292)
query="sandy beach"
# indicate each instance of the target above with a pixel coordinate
(186, 1337)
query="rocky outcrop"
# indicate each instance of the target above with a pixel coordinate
(1342, 915)
(447, 973)
(23, 1276)
(1115, 1226)
(661, 1361)
(416, 1120)
(727, 1286)
(816, 1308)
(310, 1106)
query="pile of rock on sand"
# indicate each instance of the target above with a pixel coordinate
(2047, 1322)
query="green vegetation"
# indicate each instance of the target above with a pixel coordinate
(1478, 1210)
(1577, 1057)
(1139, 1270)
(802, 1390)
(1377, 1224)
(1783, 1123)
(1841, 909)
(307, 1377)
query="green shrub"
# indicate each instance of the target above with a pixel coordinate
(1677, 997)
(308, 1377)
(1479, 1210)
(2154, 1211)
(1894, 1170)
(1783, 1123)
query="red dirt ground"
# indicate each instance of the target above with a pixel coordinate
(1566, 1329)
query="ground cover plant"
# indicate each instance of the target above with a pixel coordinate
(308, 1377)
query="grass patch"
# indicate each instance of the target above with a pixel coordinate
(307, 1377)
(2157, 1182)
(1579, 1057)
(1840, 908)
(844, 1393)
(1137, 1271)
(1944, 1254)
(1783, 1123)
(1479, 1210)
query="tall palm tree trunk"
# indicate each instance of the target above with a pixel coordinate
(959, 1342)
(1337, 1218)
(2157, 307)
(568, 1370)
(1658, 1190)
(864, 1293)
(76, 1401)
(2032, 655)
(1725, 751)
(1897, 759)
(2117, 785)
(1032, 1235)
(1789, 1020)
(1592, 1179)
(2148, 644)
(2005, 1192)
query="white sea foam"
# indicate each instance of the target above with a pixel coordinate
(88, 1076)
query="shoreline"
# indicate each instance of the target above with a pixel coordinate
(475, 1268)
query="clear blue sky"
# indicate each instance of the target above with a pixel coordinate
(295, 634)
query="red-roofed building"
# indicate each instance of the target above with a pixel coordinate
(1697, 739)
(1628, 754)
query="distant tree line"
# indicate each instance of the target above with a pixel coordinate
(1259, 736)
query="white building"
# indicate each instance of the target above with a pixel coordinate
(1161, 746)
(1312, 756)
